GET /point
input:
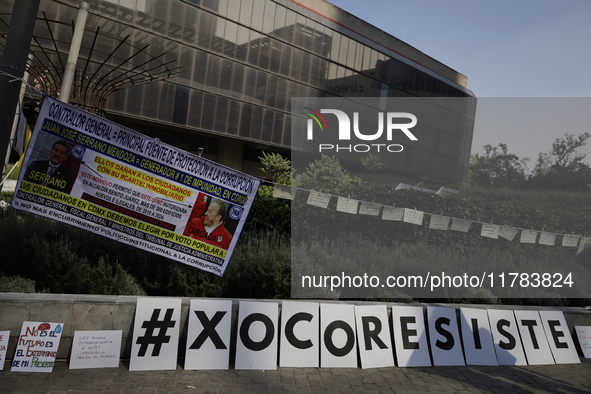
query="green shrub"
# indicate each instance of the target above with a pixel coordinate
(16, 284)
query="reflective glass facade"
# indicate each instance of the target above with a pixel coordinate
(242, 61)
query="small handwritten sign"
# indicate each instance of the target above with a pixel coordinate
(37, 346)
(584, 335)
(4, 335)
(318, 199)
(96, 349)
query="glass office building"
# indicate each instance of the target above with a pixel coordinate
(243, 60)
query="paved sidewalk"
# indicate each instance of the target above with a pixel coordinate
(566, 378)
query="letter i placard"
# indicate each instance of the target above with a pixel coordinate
(37, 347)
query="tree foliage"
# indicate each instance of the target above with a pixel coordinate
(563, 168)
(276, 168)
(497, 168)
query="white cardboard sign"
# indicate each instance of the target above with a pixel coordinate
(37, 346)
(208, 335)
(533, 338)
(4, 336)
(410, 337)
(256, 345)
(559, 338)
(506, 337)
(347, 205)
(373, 336)
(476, 337)
(299, 343)
(444, 336)
(96, 349)
(318, 199)
(337, 336)
(584, 337)
(155, 334)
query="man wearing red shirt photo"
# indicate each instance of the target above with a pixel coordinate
(209, 228)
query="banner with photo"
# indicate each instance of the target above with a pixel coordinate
(94, 174)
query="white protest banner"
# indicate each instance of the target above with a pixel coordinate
(584, 337)
(299, 334)
(533, 338)
(155, 334)
(444, 336)
(373, 336)
(96, 349)
(4, 335)
(37, 346)
(94, 174)
(256, 344)
(506, 337)
(208, 336)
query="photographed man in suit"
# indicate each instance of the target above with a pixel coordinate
(52, 173)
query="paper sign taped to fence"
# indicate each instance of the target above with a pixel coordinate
(94, 174)
(37, 347)
(96, 349)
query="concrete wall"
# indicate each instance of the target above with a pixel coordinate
(95, 312)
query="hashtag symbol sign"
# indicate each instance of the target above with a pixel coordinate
(156, 340)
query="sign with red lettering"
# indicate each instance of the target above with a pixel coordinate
(37, 346)
(4, 335)
(94, 174)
